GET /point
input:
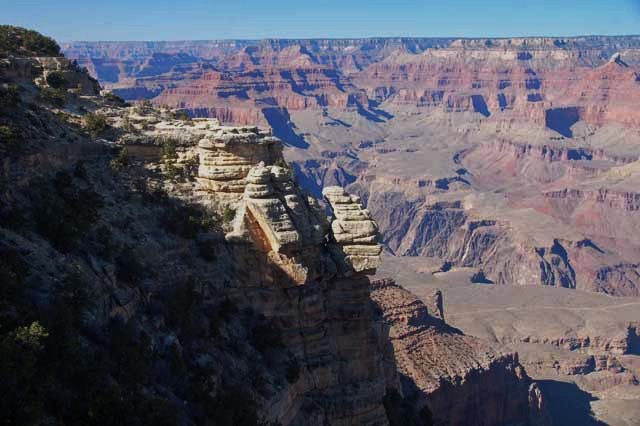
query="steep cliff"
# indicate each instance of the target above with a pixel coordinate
(441, 368)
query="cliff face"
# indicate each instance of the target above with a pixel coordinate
(441, 368)
(544, 81)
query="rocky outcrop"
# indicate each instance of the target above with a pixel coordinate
(225, 159)
(440, 367)
(354, 233)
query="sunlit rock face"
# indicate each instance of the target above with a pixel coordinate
(226, 157)
(354, 232)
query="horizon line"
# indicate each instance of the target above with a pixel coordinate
(358, 38)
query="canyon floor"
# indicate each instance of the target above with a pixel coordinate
(539, 323)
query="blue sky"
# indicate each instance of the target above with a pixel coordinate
(68, 20)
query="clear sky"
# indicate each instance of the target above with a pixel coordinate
(68, 20)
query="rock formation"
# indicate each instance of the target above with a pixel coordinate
(354, 233)
(440, 367)
(225, 159)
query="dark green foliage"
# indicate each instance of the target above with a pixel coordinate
(480, 278)
(56, 97)
(228, 214)
(143, 107)
(20, 351)
(13, 272)
(171, 172)
(169, 149)
(190, 167)
(182, 115)
(95, 123)
(56, 80)
(9, 98)
(9, 140)
(103, 242)
(65, 213)
(188, 221)
(129, 269)
(207, 246)
(402, 412)
(122, 160)
(281, 163)
(130, 354)
(169, 154)
(115, 99)
(22, 42)
(181, 298)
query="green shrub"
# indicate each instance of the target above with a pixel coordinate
(182, 115)
(65, 213)
(24, 42)
(95, 123)
(9, 97)
(188, 221)
(20, 351)
(115, 99)
(56, 97)
(32, 336)
(228, 214)
(180, 298)
(169, 149)
(128, 268)
(281, 163)
(122, 160)
(143, 107)
(171, 172)
(14, 270)
(56, 80)
(127, 125)
(9, 141)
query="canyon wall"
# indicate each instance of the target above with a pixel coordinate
(436, 133)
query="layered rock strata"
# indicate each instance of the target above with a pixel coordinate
(442, 369)
(354, 233)
(227, 157)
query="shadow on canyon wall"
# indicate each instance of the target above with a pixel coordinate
(561, 120)
(568, 404)
(283, 127)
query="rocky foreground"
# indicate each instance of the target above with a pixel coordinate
(163, 270)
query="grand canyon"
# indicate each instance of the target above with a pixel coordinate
(503, 172)
(375, 231)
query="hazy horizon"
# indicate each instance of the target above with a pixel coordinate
(195, 20)
(577, 36)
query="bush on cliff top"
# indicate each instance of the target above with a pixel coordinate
(23, 42)
(95, 123)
